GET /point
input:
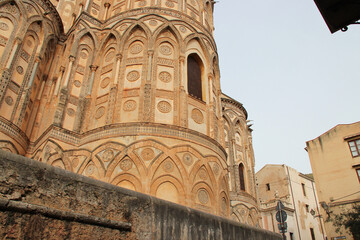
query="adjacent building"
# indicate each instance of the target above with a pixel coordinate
(335, 161)
(297, 192)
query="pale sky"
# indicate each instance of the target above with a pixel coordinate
(295, 78)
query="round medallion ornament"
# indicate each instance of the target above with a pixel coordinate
(168, 166)
(94, 12)
(9, 100)
(70, 112)
(20, 70)
(187, 158)
(136, 48)
(123, 27)
(75, 162)
(166, 50)
(129, 105)
(4, 26)
(197, 116)
(105, 82)
(77, 83)
(100, 112)
(83, 54)
(108, 155)
(165, 77)
(203, 196)
(29, 43)
(147, 154)
(202, 174)
(193, 2)
(142, 3)
(126, 164)
(193, 14)
(133, 76)
(153, 23)
(90, 169)
(169, 4)
(110, 56)
(164, 107)
(182, 29)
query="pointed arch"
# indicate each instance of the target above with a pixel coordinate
(242, 177)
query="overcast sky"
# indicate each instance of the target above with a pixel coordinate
(295, 78)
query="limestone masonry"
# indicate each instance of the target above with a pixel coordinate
(126, 92)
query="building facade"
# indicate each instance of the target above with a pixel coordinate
(335, 161)
(298, 194)
(127, 92)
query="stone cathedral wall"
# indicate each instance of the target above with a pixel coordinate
(101, 88)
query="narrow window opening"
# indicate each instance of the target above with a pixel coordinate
(312, 234)
(303, 189)
(242, 178)
(268, 187)
(194, 67)
(307, 208)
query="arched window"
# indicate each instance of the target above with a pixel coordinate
(242, 178)
(194, 67)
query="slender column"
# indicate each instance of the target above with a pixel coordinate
(107, 6)
(118, 62)
(12, 54)
(81, 8)
(58, 81)
(93, 69)
(150, 54)
(71, 59)
(87, 4)
(41, 90)
(33, 73)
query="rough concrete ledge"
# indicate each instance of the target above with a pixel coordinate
(39, 201)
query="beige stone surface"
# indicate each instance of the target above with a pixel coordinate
(334, 170)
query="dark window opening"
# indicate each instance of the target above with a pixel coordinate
(242, 178)
(312, 234)
(307, 207)
(303, 189)
(194, 76)
(268, 187)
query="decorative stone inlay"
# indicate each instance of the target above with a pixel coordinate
(100, 112)
(77, 83)
(168, 166)
(9, 100)
(20, 70)
(182, 29)
(129, 105)
(75, 162)
(133, 76)
(105, 82)
(147, 154)
(153, 22)
(83, 54)
(123, 27)
(126, 164)
(90, 169)
(4, 26)
(94, 12)
(26, 116)
(165, 77)
(203, 196)
(197, 116)
(169, 4)
(223, 205)
(108, 155)
(166, 50)
(164, 107)
(142, 3)
(193, 14)
(70, 112)
(110, 56)
(193, 2)
(136, 48)
(187, 158)
(202, 174)
(216, 168)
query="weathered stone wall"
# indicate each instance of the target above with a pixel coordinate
(38, 201)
